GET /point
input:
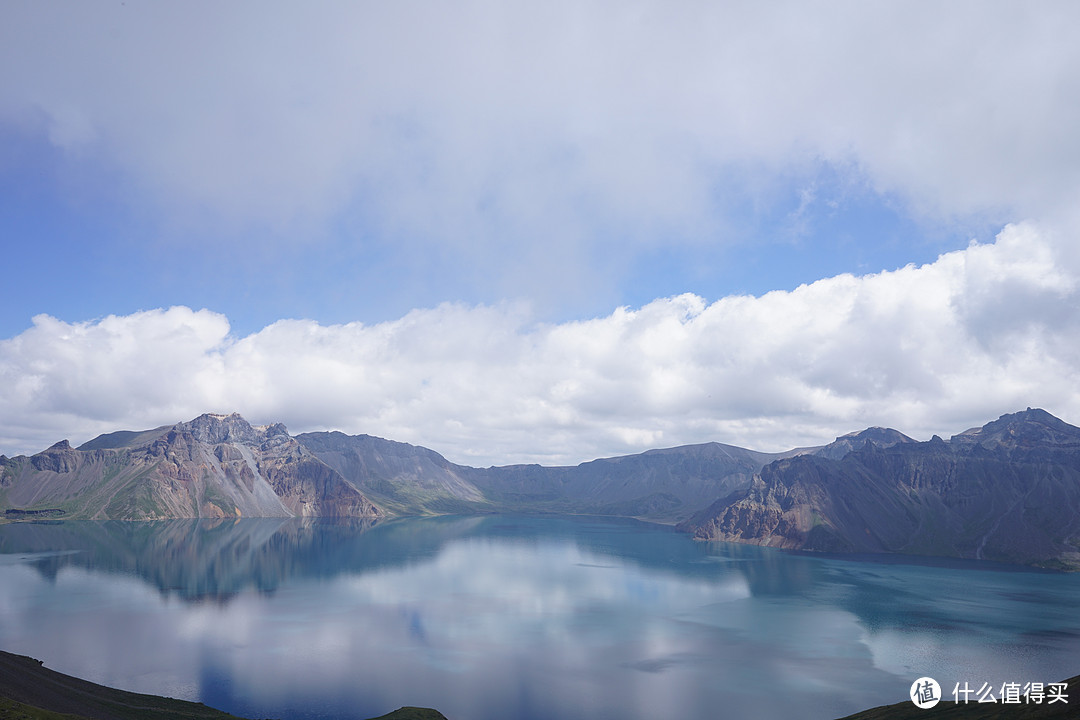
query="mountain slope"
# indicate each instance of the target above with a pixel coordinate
(34, 691)
(218, 466)
(30, 691)
(212, 466)
(664, 485)
(661, 485)
(1009, 491)
(406, 479)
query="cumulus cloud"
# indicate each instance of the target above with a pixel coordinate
(937, 348)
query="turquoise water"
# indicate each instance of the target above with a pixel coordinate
(514, 617)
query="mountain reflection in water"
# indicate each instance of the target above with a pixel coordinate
(512, 617)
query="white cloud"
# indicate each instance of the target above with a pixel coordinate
(989, 329)
(522, 136)
(90, 377)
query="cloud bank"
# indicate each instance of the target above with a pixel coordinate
(989, 329)
(539, 148)
(523, 154)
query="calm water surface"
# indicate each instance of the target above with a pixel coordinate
(513, 617)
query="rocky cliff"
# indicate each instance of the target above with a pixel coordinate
(1008, 491)
(212, 466)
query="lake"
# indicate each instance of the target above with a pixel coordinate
(499, 617)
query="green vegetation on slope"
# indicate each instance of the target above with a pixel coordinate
(412, 713)
(30, 691)
(42, 693)
(11, 710)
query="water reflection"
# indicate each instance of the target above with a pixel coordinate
(197, 560)
(509, 617)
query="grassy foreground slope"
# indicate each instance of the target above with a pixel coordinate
(37, 692)
(30, 691)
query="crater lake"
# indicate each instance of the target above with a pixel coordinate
(504, 617)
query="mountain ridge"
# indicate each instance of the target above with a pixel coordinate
(663, 485)
(1008, 490)
(211, 466)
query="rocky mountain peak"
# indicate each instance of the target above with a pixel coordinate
(879, 436)
(59, 457)
(1027, 428)
(274, 430)
(214, 429)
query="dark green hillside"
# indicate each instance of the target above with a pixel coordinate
(412, 713)
(30, 691)
(27, 689)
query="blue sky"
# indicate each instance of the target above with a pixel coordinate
(99, 251)
(400, 202)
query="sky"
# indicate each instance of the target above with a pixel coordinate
(538, 232)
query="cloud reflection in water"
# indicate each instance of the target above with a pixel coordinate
(499, 617)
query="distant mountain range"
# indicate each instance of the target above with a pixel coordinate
(1009, 491)
(222, 466)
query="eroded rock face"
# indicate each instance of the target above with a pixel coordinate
(1008, 491)
(212, 466)
(59, 458)
(882, 437)
(215, 429)
(8, 470)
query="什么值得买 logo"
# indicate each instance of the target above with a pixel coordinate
(925, 693)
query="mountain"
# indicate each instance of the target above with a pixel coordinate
(405, 479)
(220, 465)
(661, 485)
(665, 485)
(1008, 491)
(212, 466)
(844, 444)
